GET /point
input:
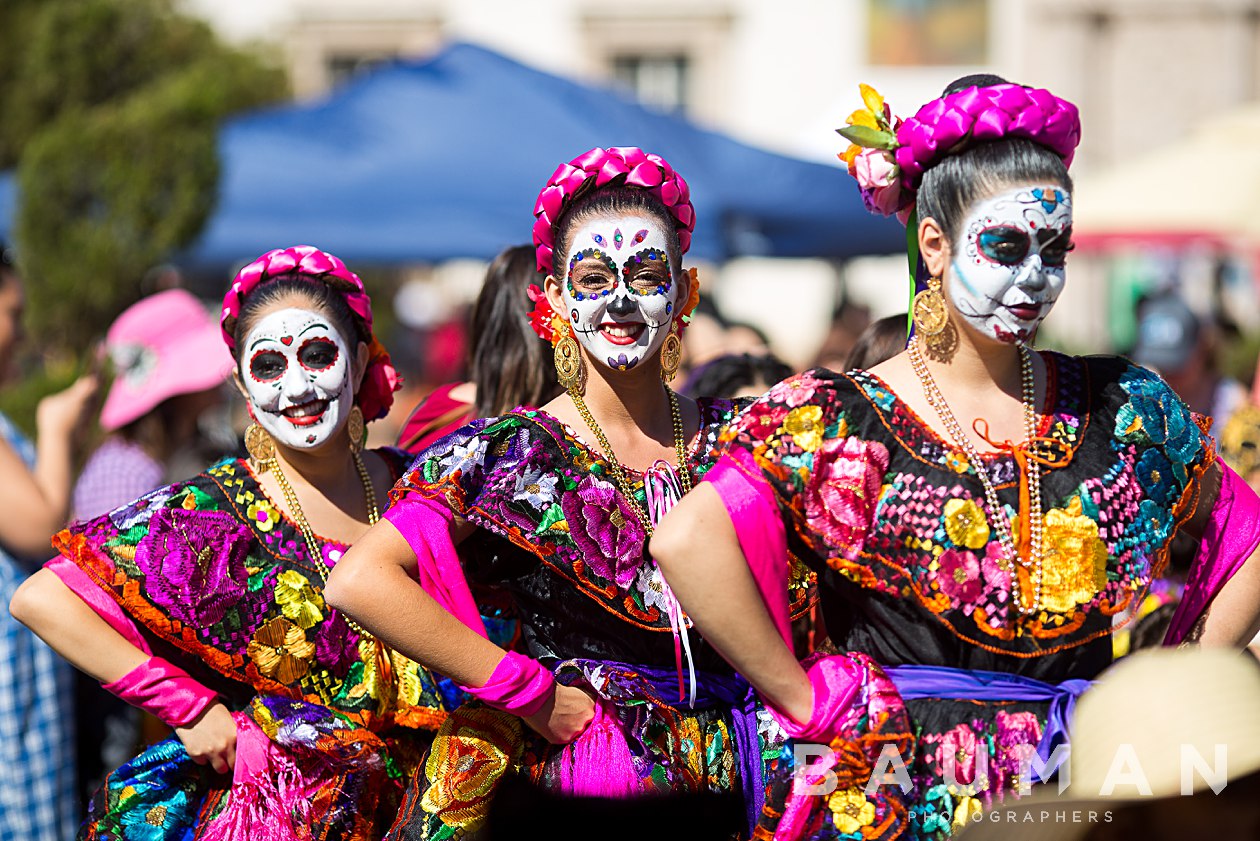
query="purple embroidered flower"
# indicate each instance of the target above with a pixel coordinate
(336, 646)
(1014, 743)
(606, 531)
(959, 578)
(194, 563)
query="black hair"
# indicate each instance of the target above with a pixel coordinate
(612, 198)
(727, 375)
(952, 185)
(507, 361)
(880, 341)
(318, 295)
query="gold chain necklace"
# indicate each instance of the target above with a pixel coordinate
(680, 448)
(996, 512)
(304, 526)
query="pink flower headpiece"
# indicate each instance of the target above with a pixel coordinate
(600, 166)
(888, 156)
(306, 262)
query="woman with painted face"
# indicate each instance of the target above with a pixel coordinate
(202, 602)
(977, 511)
(555, 507)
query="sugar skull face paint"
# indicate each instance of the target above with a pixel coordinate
(1009, 268)
(296, 371)
(620, 290)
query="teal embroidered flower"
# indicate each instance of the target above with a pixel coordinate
(1156, 476)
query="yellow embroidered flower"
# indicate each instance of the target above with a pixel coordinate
(189, 502)
(1074, 567)
(297, 600)
(804, 424)
(966, 524)
(956, 461)
(851, 810)
(263, 514)
(473, 749)
(281, 650)
(968, 810)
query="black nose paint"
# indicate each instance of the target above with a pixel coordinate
(622, 306)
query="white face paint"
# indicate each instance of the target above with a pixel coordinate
(621, 291)
(296, 370)
(1009, 268)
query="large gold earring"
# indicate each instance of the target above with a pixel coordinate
(671, 354)
(260, 447)
(928, 309)
(570, 370)
(354, 428)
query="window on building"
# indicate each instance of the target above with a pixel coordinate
(342, 67)
(927, 32)
(658, 81)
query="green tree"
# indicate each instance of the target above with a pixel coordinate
(117, 124)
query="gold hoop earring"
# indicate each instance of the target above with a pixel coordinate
(929, 310)
(260, 447)
(671, 354)
(570, 369)
(354, 428)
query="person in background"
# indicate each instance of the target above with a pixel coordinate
(507, 362)
(736, 375)
(169, 363)
(879, 342)
(1182, 347)
(37, 776)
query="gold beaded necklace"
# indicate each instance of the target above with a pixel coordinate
(996, 512)
(614, 465)
(304, 526)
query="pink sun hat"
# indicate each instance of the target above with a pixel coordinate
(161, 346)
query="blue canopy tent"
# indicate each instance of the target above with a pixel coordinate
(438, 159)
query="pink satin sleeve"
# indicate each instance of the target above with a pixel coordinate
(160, 687)
(97, 599)
(426, 526)
(1231, 536)
(519, 685)
(759, 528)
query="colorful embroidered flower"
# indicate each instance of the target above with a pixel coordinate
(145, 822)
(804, 424)
(959, 578)
(281, 651)
(656, 592)
(194, 563)
(263, 515)
(843, 491)
(850, 810)
(966, 524)
(472, 751)
(1155, 475)
(968, 811)
(135, 513)
(1015, 739)
(956, 460)
(605, 530)
(1074, 567)
(958, 748)
(936, 813)
(995, 573)
(1162, 417)
(793, 392)
(535, 487)
(466, 456)
(297, 600)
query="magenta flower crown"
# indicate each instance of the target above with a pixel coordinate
(640, 169)
(888, 156)
(381, 379)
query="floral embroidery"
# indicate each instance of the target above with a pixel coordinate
(967, 812)
(804, 424)
(965, 523)
(470, 754)
(281, 651)
(843, 491)
(851, 809)
(959, 577)
(194, 563)
(607, 532)
(1075, 566)
(536, 488)
(263, 515)
(297, 600)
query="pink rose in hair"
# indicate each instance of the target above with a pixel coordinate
(879, 177)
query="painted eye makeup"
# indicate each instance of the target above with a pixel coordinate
(1055, 251)
(592, 274)
(317, 354)
(647, 272)
(1004, 245)
(267, 366)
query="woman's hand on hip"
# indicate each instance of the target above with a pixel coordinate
(211, 738)
(564, 716)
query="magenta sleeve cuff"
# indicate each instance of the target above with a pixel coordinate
(519, 685)
(835, 681)
(1230, 537)
(426, 526)
(751, 506)
(163, 689)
